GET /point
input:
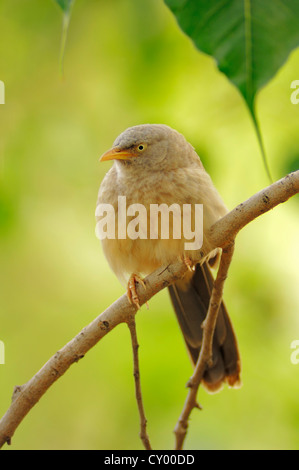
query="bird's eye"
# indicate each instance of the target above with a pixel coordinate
(141, 147)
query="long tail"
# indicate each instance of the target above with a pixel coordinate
(191, 302)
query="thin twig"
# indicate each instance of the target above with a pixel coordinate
(205, 356)
(143, 434)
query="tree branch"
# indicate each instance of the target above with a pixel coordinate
(143, 434)
(205, 357)
(222, 232)
(228, 227)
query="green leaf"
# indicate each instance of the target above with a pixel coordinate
(250, 39)
(65, 5)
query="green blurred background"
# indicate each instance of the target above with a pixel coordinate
(127, 63)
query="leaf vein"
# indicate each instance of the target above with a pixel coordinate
(248, 51)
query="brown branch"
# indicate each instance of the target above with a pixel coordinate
(263, 201)
(205, 356)
(143, 434)
(27, 395)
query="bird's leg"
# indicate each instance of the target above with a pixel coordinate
(131, 289)
(188, 262)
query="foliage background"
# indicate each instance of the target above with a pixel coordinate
(127, 63)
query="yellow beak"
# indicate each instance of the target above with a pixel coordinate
(117, 154)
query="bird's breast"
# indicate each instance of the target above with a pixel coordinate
(145, 219)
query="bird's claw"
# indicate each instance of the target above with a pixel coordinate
(189, 263)
(131, 289)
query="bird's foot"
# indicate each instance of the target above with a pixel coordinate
(189, 263)
(131, 289)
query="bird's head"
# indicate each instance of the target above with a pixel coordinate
(153, 146)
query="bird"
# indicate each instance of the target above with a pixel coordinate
(154, 165)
